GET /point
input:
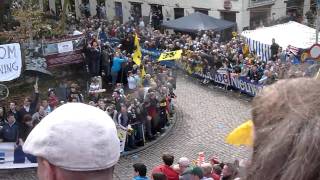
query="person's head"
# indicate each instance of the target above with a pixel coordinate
(207, 169)
(140, 169)
(41, 111)
(168, 159)
(123, 108)
(13, 106)
(27, 119)
(73, 87)
(286, 120)
(159, 176)
(10, 117)
(59, 155)
(52, 93)
(229, 170)
(184, 163)
(273, 41)
(44, 103)
(27, 101)
(94, 44)
(101, 103)
(196, 173)
(216, 168)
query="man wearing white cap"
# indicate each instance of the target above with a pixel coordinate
(75, 142)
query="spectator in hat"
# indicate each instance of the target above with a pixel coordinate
(55, 142)
(166, 167)
(140, 172)
(196, 173)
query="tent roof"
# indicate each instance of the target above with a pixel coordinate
(291, 33)
(197, 22)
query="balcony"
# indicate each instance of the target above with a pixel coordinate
(259, 3)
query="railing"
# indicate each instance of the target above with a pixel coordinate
(258, 3)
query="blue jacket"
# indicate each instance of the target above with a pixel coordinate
(116, 64)
(10, 133)
(140, 178)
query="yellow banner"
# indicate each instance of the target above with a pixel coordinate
(167, 56)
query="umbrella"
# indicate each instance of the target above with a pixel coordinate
(242, 135)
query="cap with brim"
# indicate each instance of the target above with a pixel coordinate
(76, 137)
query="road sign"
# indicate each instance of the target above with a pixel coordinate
(4, 91)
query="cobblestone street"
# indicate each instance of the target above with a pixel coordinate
(204, 118)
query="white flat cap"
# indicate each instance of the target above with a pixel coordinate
(76, 137)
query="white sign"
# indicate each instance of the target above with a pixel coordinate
(10, 61)
(65, 47)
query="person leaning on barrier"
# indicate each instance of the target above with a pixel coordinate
(75, 142)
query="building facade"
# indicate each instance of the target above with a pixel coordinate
(246, 13)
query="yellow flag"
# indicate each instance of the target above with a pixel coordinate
(143, 72)
(242, 135)
(167, 56)
(137, 52)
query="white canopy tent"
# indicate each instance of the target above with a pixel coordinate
(287, 34)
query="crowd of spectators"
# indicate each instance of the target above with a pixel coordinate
(204, 52)
(185, 169)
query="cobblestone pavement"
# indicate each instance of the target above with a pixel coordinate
(204, 117)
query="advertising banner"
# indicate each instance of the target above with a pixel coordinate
(10, 61)
(66, 46)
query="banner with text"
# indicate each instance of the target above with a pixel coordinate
(222, 76)
(10, 61)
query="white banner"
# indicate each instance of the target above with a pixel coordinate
(10, 61)
(7, 149)
(65, 47)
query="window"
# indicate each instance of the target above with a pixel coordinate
(203, 11)
(118, 11)
(178, 13)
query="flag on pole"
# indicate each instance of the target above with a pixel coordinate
(137, 55)
(137, 52)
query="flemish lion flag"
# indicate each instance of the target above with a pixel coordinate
(137, 52)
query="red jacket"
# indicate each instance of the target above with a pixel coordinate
(168, 171)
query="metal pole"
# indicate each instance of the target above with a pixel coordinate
(317, 28)
(317, 21)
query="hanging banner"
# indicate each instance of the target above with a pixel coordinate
(10, 61)
(167, 56)
(66, 46)
(122, 135)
